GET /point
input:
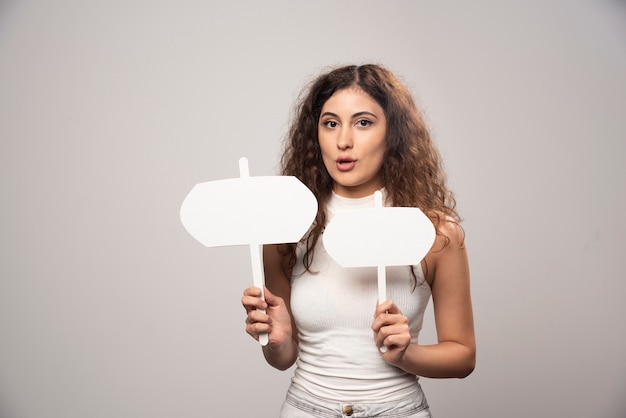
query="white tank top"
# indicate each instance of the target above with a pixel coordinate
(334, 309)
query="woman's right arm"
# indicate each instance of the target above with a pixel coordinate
(282, 350)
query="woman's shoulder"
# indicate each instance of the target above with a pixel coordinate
(450, 233)
(448, 249)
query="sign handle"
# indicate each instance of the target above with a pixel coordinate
(258, 277)
(382, 273)
(256, 252)
(382, 277)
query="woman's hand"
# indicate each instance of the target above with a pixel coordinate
(391, 330)
(454, 354)
(276, 320)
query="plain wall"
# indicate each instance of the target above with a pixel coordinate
(111, 111)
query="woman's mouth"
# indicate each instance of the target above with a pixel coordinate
(345, 164)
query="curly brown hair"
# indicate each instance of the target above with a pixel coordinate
(412, 170)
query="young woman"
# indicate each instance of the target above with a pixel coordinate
(356, 130)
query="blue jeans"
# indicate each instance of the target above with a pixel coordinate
(299, 404)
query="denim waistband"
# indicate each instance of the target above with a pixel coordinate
(412, 405)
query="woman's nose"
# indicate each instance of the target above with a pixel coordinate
(344, 141)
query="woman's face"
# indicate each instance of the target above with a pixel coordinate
(351, 132)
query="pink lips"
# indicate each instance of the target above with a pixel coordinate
(345, 164)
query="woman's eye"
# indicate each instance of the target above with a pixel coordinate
(364, 123)
(330, 124)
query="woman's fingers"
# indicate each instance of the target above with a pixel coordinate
(390, 326)
(255, 328)
(251, 299)
(269, 316)
(387, 306)
(257, 321)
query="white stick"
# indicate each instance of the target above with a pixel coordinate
(382, 284)
(256, 254)
(382, 274)
(244, 171)
(258, 278)
(382, 277)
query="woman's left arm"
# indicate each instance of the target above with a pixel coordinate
(454, 355)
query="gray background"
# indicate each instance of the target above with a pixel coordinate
(111, 111)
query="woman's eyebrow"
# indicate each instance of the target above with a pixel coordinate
(364, 113)
(356, 115)
(331, 114)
